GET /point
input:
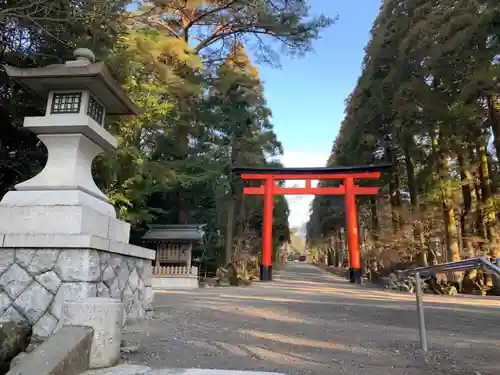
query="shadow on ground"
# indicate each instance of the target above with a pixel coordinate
(311, 322)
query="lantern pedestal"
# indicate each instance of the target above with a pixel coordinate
(68, 170)
(63, 198)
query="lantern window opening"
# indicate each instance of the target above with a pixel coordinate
(67, 102)
(95, 110)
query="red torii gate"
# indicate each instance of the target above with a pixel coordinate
(349, 189)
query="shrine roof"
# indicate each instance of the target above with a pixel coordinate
(189, 232)
(344, 169)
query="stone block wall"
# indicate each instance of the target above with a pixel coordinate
(34, 283)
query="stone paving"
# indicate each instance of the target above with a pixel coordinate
(310, 322)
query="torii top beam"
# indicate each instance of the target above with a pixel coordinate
(372, 171)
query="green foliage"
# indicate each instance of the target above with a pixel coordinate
(214, 25)
(202, 104)
(36, 33)
(427, 101)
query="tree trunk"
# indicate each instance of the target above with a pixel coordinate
(430, 236)
(394, 190)
(467, 220)
(239, 215)
(431, 254)
(229, 228)
(494, 119)
(479, 221)
(343, 248)
(418, 228)
(489, 214)
(375, 222)
(338, 250)
(445, 185)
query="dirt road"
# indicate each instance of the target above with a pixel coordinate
(311, 322)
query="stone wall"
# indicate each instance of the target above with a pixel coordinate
(34, 283)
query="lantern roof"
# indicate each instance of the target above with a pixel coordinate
(80, 74)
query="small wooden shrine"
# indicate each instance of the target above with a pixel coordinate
(173, 244)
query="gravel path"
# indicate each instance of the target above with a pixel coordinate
(311, 322)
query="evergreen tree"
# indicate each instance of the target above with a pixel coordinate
(245, 132)
(426, 101)
(201, 112)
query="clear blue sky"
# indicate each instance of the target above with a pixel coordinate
(307, 96)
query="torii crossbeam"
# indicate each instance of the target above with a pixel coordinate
(349, 189)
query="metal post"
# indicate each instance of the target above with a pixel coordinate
(420, 311)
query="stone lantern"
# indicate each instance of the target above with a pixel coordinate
(79, 95)
(59, 235)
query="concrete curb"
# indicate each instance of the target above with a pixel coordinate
(65, 353)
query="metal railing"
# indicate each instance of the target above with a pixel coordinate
(460, 265)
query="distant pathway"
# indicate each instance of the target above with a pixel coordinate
(310, 322)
